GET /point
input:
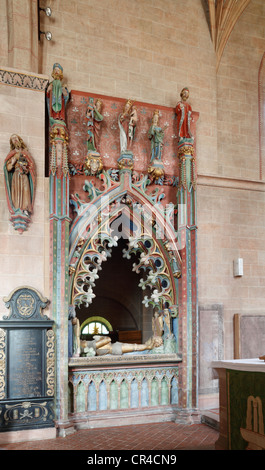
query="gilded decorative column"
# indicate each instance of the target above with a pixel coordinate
(57, 99)
(187, 229)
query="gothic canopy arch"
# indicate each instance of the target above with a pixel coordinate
(123, 209)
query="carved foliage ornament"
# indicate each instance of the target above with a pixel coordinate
(2, 363)
(50, 363)
(152, 261)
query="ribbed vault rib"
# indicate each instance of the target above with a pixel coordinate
(222, 16)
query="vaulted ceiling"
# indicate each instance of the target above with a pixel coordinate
(222, 16)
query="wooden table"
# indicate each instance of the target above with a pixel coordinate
(241, 403)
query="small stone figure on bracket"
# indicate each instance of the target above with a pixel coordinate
(127, 124)
(156, 136)
(184, 117)
(132, 125)
(73, 333)
(20, 183)
(94, 119)
(57, 96)
(187, 165)
(93, 164)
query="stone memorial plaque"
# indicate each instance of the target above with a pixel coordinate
(26, 363)
(25, 369)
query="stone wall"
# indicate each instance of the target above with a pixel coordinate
(24, 257)
(238, 99)
(143, 50)
(231, 205)
(19, 34)
(231, 225)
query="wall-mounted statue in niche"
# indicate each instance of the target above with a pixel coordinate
(73, 333)
(93, 163)
(20, 183)
(184, 117)
(57, 96)
(156, 136)
(94, 120)
(127, 124)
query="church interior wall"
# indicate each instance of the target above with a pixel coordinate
(238, 96)
(24, 257)
(231, 225)
(231, 205)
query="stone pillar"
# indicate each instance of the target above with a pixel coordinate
(59, 240)
(187, 229)
(188, 292)
(22, 102)
(59, 250)
(23, 38)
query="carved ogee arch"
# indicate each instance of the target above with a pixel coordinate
(93, 237)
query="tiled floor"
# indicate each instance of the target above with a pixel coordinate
(157, 436)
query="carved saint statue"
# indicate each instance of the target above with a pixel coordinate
(156, 136)
(20, 177)
(132, 125)
(57, 96)
(184, 116)
(127, 124)
(73, 333)
(94, 119)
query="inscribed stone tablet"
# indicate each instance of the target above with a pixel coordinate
(25, 368)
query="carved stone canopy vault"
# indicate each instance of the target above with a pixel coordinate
(124, 209)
